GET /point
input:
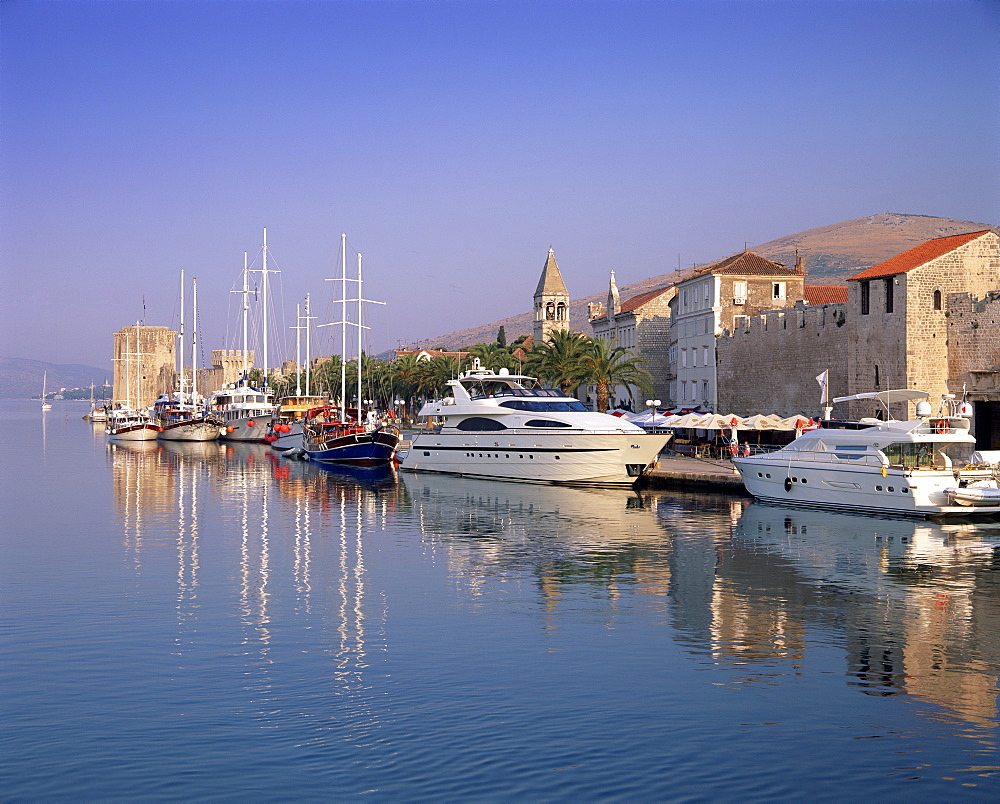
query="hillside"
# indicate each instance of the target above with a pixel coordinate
(22, 379)
(831, 253)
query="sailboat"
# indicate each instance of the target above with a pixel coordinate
(243, 410)
(46, 405)
(179, 415)
(128, 424)
(348, 435)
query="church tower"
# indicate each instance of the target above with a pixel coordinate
(551, 301)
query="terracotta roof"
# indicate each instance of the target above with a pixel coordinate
(919, 255)
(637, 301)
(825, 294)
(747, 263)
(551, 281)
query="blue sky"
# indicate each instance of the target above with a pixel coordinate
(454, 143)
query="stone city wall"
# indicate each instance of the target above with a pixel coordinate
(769, 362)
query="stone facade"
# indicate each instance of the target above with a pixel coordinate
(227, 367)
(551, 301)
(144, 365)
(927, 319)
(707, 303)
(768, 363)
(642, 326)
(899, 329)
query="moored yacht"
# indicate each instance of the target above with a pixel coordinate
(503, 425)
(243, 411)
(921, 467)
(181, 419)
(127, 424)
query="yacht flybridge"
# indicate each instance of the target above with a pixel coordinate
(921, 467)
(503, 425)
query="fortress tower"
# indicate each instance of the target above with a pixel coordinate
(144, 364)
(551, 301)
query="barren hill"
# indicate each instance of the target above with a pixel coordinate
(831, 253)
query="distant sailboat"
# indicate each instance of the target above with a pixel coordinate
(46, 405)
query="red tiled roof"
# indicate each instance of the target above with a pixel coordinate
(825, 294)
(919, 255)
(637, 301)
(747, 263)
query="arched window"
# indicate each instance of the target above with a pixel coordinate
(550, 312)
(560, 312)
(937, 299)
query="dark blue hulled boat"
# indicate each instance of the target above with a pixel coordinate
(329, 437)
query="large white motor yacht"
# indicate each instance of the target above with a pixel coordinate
(502, 425)
(921, 467)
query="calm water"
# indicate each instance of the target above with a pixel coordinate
(206, 622)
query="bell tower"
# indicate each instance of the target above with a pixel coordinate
(551, 301)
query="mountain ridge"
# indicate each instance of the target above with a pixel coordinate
(831, 253)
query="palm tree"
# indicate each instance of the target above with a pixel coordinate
(607, 365)
(406, 372)
(558, 361)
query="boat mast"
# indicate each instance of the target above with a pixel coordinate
(360, 331)
(264, 271)
(343, 328)
(246, 311)
(298, 349)
(138, 373)
(180, 351)
(308, 318)
(194, 341)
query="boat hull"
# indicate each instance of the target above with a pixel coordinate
(196, 430)
(806, 483)
(282, 441)
(611, 459)
(245, 428)
(139, 432)
(354, 449)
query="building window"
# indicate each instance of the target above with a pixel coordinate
(888, 294)
(937, 299)
(876, 376)
(684, 358)
(704, 355)
(704, 390)
(866, 297)
(685, 297)
(694, 357)
(777, 290)
(708, 293)
(684, 389)
(740, 289)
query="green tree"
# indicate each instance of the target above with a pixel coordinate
(558, 362)
(502, 337)
(607, 365)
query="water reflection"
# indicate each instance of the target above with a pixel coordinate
(914, 604)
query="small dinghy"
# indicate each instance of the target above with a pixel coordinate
(982, 493)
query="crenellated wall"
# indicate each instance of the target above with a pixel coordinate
(769, 362)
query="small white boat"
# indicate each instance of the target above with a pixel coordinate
(503, 425)
(243, 412)
(922, 467)
(976, 494)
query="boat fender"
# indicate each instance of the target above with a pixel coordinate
(251, 423)
(788, 484)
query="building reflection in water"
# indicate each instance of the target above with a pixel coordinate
(912, 601)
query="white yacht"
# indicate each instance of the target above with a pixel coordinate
(921, 467)
(503, 425)
(127, 424)
(244, 412)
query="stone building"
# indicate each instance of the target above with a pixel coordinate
(551, 301)
(708, 302)
(144, 365)
(926, 319)
(227, 367)
(642, 326)
(900, 313)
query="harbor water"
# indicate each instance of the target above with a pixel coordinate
(187, 622)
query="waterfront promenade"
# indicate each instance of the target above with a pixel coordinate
(678, 471)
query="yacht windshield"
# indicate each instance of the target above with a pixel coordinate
(544, 405)
(928, 455)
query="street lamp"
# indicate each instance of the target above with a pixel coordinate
(652, 403)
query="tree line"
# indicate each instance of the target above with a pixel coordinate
(567, 361)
